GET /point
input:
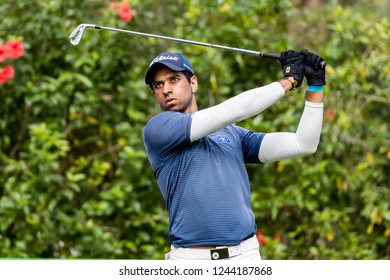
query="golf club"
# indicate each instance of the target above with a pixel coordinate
(76, 35)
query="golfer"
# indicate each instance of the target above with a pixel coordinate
(199, 156)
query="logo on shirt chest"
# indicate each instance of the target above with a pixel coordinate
(222, 139)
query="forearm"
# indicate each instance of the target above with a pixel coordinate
(282, 145)
(235, 109)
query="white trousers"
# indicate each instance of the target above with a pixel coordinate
(247, 250)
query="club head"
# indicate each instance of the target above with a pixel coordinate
(76, 35)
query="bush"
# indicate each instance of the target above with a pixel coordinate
(76, 182)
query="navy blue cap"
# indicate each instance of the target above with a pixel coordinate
(174, 61)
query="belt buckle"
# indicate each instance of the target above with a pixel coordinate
(219, 254)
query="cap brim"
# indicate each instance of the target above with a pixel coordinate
(152, 70)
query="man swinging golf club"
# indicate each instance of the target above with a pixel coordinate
(199, 156)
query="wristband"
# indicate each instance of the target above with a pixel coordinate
(315, 88)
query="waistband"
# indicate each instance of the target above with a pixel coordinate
(218, 253)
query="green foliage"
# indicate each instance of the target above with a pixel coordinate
(335, 204)
(75, 180)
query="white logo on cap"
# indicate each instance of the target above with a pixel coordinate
(164, 57)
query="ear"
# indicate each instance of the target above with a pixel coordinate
(194, 84)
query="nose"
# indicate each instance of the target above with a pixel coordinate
(167, 88)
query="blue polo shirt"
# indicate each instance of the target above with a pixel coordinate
(205, 184)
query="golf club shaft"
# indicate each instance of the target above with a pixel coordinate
(263, 54)
(76, 35)
(79, 31)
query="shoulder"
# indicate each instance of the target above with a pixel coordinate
(240, 131)
(166, 116)
(168, 125)
(247, 135)
(162, 120)
(162, 116)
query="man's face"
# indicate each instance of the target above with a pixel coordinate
(173, 91)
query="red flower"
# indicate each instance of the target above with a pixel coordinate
(4, 54)
(7, 73)
(330, 114)
(15, 49)
(260, 236)
(125, 12)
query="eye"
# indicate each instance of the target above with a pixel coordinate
(157, 85)
(174, 79)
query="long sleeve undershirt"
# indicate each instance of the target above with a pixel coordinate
(275, 146)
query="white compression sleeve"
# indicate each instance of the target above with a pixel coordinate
(235, 109)
(282, 145)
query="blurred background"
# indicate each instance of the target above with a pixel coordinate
(75, 181)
